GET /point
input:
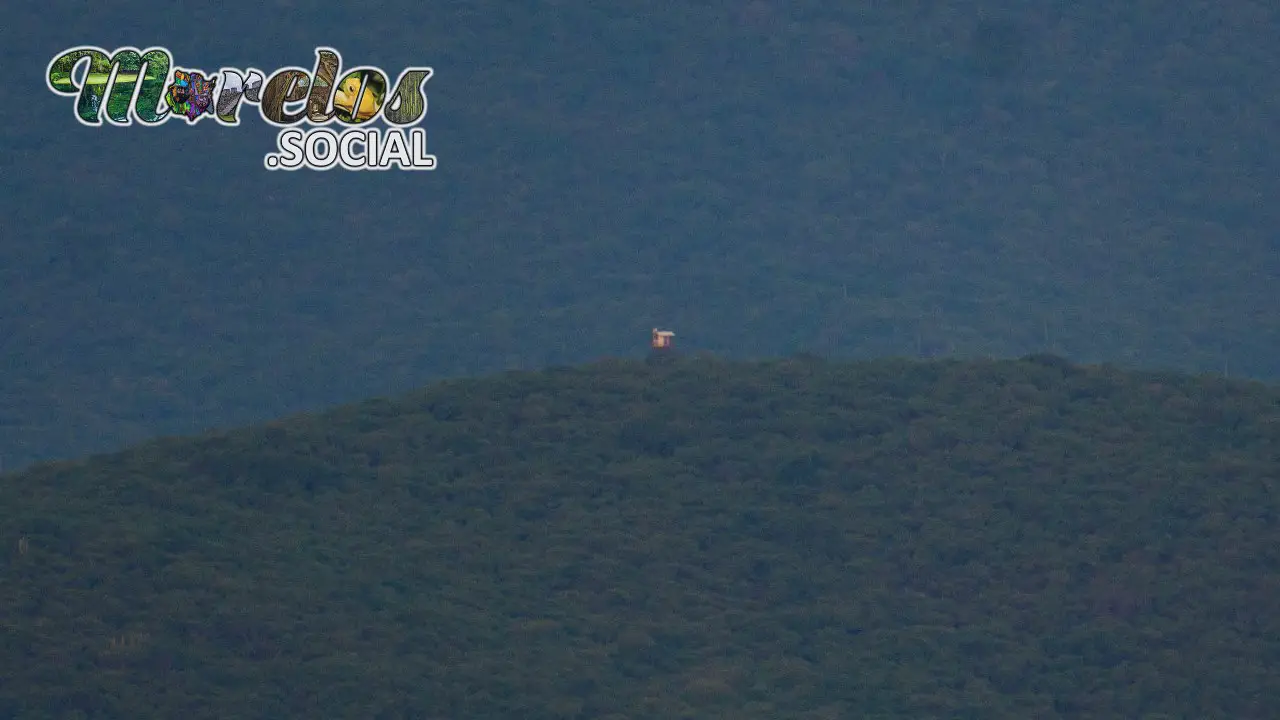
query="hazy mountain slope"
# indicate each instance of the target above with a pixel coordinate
(986, 178)
(694, 539)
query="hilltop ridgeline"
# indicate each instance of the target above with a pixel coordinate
(692, 538)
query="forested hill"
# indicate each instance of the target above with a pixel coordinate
(679, 538)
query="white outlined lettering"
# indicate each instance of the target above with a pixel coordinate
(146, 87)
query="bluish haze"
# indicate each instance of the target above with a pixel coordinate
(763, 177)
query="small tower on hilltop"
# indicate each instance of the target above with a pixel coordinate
(663, 340)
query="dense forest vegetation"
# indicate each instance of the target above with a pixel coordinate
(854, 179)
(679, 538)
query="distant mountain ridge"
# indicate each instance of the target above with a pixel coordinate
(976, 179)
